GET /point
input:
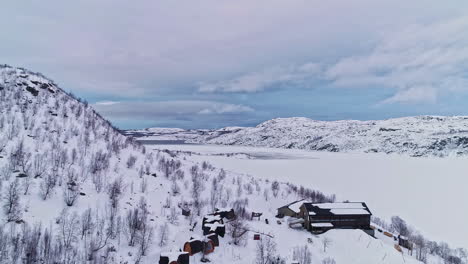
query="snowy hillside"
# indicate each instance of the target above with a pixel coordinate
(75, 190)
(414, 136)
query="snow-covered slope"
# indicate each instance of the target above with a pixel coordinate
(414, 136)
(75, 190)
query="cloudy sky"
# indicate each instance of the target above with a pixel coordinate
(215, 63)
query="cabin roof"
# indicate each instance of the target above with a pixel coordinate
(214, 226)
(211, 218)
(294, 206)
(355, 208)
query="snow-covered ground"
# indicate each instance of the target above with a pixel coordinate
(430, 193)
(75, 190)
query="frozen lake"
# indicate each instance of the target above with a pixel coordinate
(430, 193)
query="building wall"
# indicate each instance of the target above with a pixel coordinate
(303, 213)
(343, 221)
(287, 212)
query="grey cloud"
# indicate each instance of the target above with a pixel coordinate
(421, 62)
(265, 79)
(128, 49)
(167, 108)
(182, 113)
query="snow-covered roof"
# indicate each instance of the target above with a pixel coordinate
(340, 205)
(214, 226)
(321, 225)
(211, 218)
(296, 205)
(351, 211)
(337, 209)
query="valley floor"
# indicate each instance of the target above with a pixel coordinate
(430, 193)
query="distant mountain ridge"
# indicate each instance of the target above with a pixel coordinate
(415, 136)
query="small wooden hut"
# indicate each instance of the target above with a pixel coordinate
(210, 219)
(404, 242)
(216, 228)
(214, 237)
(174, 258)
(291, 209)
(193, 246)
(208, 246)
(227, 213)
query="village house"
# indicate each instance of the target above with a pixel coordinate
(321, 217)
(291, 209)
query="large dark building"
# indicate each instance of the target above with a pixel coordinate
(321, 217)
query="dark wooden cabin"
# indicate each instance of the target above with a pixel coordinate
(193, 246)
(208, 246)
(225, 213)
(210, 219)
(404, 242)
(322, 217)
(174, 258)
(215, 228)
(213, 237)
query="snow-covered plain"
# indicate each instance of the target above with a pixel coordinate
(430, 193)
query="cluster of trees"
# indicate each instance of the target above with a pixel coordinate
(423, 246)
(49, 146)
(91, 237)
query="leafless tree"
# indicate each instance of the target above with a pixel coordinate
(197, 188)
(71, 189)
(39, 165)
(163, 235)
(302, 255)
(5, 173)
(131, 161)
(47, 185)
(143, 185)
(175, 189)
(145, 237)
(266, 194)
(328, 260)
(3, 141)
(68, 230)
(266, 250)
(420, 247)
(26, 184)
(87, 223)
(31, 239)
(115, 191)
(99, 162)
(399, 225)
(275, 187)
(133, 224)
(215, 193)
(12, 206)
(238, 230)
(326, 242)
(173, 216)
(99, 240)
